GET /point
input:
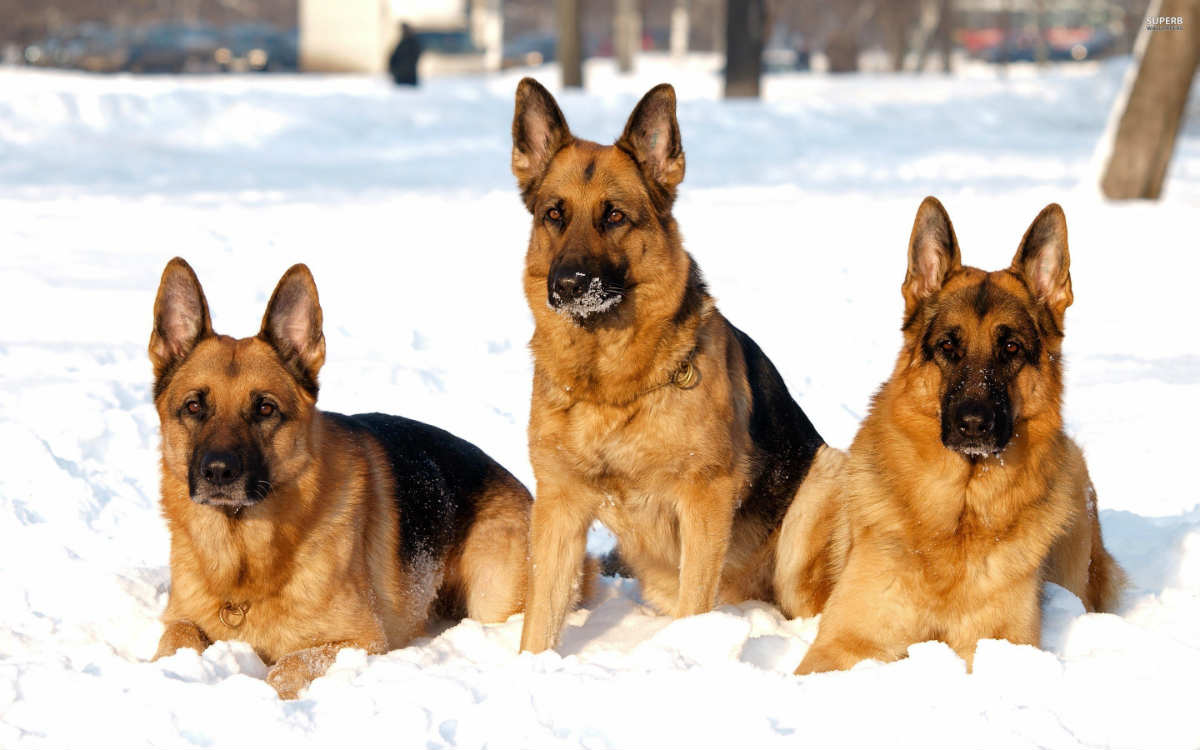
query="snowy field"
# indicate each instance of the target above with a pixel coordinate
(798, 208)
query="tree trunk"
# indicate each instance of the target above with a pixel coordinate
(944, 34)
(680, 28)
(1041, 51)
(841, 47)
(894, 17)
(936, 32)
(487, 31)
(719, 14)
(745, 32)
(1151, 109)
(570, 43)
(627, 33)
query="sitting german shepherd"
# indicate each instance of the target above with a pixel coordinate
(961, 493)
(650, 411)
(303, 532)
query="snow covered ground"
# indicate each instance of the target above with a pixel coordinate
(798, 209)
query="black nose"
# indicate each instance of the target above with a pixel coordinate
(570, 284)
(221, 467)
(975, 419)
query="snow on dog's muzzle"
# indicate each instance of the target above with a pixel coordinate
(584, 289)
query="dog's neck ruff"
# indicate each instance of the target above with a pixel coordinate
(683, 372)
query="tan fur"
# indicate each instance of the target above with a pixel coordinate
(610, 437)
(486, 577)
(938, 546)
(815, 538)
(316, 562)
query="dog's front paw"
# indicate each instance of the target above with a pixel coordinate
(820, 659)
(181, 634)
(296, 670)
(289, 676)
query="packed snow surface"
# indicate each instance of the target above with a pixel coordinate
(798, 209)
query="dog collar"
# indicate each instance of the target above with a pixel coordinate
(685, 377)
(233, 615)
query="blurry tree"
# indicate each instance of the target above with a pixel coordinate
(570, 43)
(897, 18)
(745, 34)
(1041, 50)
(943, 35)
(1151, 109)
(842, 45)
(1134, 16)
(24, 22)
(27, 21)
(936, 31)
(627, 33)
(717, 12)
(680, 23)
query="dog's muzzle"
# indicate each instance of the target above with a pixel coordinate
(584, 288)
(227, 479)
(977, 428)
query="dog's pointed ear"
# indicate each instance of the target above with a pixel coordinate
(1044, 261)
(181, 317)
(292, 325)
(539, 130)
(652, 136)
(932, 254)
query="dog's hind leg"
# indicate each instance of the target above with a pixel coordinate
(488, 574)
(813, 539)
(1078, 560)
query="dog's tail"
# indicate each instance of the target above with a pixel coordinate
(1106, 579)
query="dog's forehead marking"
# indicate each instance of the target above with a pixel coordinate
(983, 298)
(582, 161)
(591, 175)
(986, 303)
(231, 367)
(238, 368)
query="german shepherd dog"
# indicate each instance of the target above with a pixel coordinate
(649, 411)
(962, 494)
(303, 532)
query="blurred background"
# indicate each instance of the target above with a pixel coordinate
(472, 36)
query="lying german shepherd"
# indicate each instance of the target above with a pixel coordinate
(650, 411)
(961, 492)
(300, 531)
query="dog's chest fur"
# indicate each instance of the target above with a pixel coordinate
(619, 444)
(663, 437)
(966, 530)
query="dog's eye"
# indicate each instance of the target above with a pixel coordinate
(947, 346)
(554, 214)
(615, 217)
(193, 406)
(1012, 347)
(264, 408)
